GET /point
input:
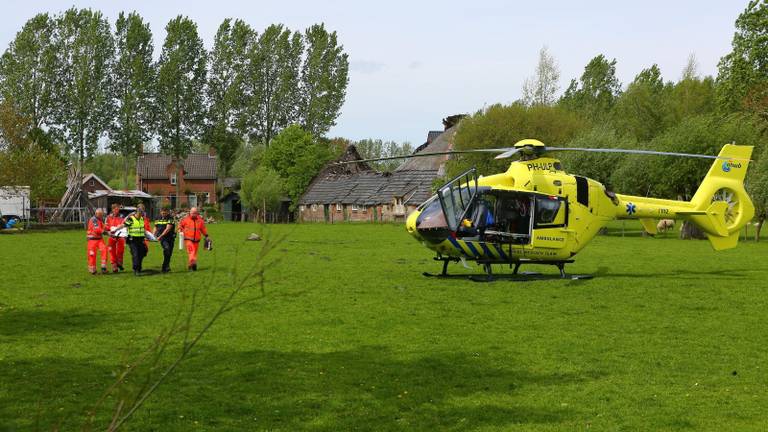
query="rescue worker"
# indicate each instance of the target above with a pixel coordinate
(95, 234)
(136, 234)
(192, 228)
(147, 227)
(116, 244)
(165, 233)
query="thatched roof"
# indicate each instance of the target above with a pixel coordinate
(442, 142)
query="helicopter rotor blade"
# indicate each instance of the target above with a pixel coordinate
(642, 152)
(509, 153)
(443, 153)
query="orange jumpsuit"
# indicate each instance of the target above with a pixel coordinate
(95, 233)
(147, 227)
(116, 244)
(192, 230)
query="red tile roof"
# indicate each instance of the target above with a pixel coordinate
(197, 166)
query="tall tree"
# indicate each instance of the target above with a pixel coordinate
(84, 106)
(742, 79)
(691, 96)
(641, 110)
(503, 125)
(540, 89)
(757, 185)
(226, 90)
(691, 69)
(28, 70)
(324, 79)
(134, 77)
(261, 192)
(273, 77)
(297, 157)
(227, 78)
(180, 91)
(594, 94)
(23, 161)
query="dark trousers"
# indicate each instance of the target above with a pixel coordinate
(167, 245)
(138, 251)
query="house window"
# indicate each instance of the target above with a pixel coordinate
(355, 207)
(173, 178)
(92, 183)
(399, 209)
(207, 197)
(338, 207)
(314, 207)
(363, 208)
(301, 208)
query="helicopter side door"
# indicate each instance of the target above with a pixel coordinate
(512, 217)
(550, 220)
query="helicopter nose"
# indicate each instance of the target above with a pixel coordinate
(410, 224)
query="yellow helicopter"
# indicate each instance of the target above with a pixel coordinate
(536, 213)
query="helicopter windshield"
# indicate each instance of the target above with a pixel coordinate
(457, 196)
(432, 215)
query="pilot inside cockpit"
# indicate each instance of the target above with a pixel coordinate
(481, 218)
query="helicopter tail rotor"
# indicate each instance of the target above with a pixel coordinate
(722, 205)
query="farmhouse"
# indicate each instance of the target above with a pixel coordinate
(357, 192)
(158, 175)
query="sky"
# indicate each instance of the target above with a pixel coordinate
(412, 63)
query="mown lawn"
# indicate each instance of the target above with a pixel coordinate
(669, 336)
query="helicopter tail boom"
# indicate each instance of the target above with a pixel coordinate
(720, 207)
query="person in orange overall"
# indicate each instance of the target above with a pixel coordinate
(116, 244)
(95, 233)
(193, 229)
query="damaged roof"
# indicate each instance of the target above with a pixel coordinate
(358, 183)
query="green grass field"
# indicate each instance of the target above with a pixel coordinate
(669, 336)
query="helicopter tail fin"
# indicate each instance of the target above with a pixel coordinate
(721, 204)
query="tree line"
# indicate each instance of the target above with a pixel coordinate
(692, 114)
(75, 81)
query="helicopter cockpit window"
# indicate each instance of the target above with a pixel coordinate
(549, 211)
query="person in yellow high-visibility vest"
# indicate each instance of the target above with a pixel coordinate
(136, 234)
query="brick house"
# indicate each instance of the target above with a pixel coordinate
(158, 175)
(356, 192)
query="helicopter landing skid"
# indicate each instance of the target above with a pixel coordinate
(517, 276)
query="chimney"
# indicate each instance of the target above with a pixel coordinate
(452, 120)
